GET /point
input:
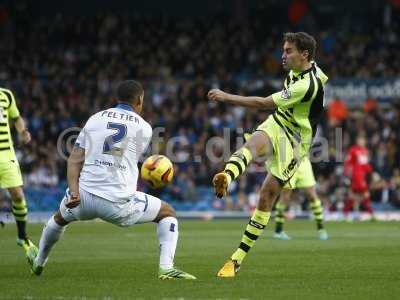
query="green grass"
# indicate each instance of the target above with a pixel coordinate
(101, 261)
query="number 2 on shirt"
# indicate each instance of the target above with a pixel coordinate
(108, 147)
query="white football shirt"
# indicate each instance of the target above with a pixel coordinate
(114, 140)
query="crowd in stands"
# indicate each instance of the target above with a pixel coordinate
(65, 68)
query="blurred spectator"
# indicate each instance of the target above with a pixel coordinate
(42, 175)
(74, 71)
(337, 112)
(370, 105)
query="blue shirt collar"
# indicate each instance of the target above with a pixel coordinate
(124, 106)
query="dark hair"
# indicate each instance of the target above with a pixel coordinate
(129, 91)
(303, 42)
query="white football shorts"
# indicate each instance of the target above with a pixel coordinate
(142, 208)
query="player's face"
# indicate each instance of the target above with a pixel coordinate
(361, 142)
(292, 58)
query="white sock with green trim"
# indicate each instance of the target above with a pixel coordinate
(50, 235)
(167, 231)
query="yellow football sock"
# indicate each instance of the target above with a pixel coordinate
(237, 163)
(20, 212)
(280, 216)
(253, 230)
(318, 211)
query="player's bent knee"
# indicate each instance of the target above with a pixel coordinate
(59, 219)
(259, 144)
(166, 210)
(17, 194)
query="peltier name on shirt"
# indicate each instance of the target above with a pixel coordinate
(119, 116)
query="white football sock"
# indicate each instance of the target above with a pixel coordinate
(167, 231)
(50, 235)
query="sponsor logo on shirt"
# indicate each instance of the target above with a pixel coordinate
(286, 94)
(98, 162)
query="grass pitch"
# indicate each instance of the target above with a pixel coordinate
(101, 261)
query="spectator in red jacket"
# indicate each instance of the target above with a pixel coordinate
(357, 168)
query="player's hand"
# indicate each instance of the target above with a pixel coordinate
(73, 200)
(217, 95)
(26, 136)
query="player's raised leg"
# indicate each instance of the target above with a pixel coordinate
(257, 146)
(318, 211)
(281, 207)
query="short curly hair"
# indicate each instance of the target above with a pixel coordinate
(129, 90)
(303, 42)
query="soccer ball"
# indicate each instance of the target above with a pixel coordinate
(157, 171)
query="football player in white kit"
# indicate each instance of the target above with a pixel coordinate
(102, 176)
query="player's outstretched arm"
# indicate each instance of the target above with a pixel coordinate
(251, 102)
(22, 130)
(74, 167)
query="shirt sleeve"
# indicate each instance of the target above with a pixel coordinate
(149, 134)
(81, 139)
(288, 97)
(13, 111)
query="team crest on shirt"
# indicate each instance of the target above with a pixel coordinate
(286, 94)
